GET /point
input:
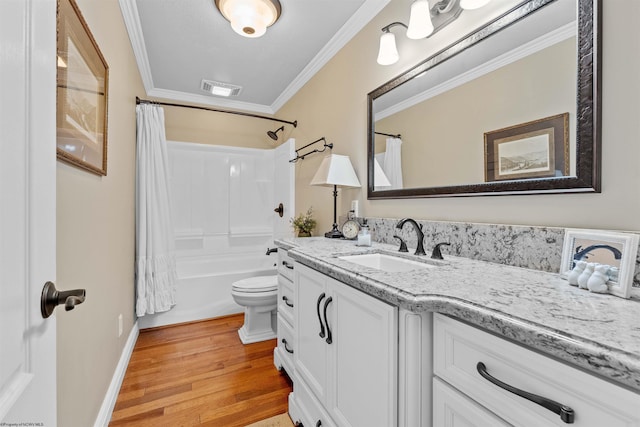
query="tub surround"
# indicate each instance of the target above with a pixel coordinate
(538, 309)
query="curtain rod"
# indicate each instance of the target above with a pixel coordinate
(388, 134)
(147, 101)
(301, 157)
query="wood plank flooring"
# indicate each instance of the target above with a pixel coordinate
(200, 374)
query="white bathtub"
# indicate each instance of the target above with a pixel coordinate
(204, 287)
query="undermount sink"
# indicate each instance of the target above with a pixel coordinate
(387, 263)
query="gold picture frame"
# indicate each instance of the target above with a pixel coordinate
(536, 149)
(82, 93)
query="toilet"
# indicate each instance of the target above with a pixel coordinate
(258, 295)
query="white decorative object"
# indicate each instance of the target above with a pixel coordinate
(576, 272)
(598, 280)
(615, 249)
(584, 276)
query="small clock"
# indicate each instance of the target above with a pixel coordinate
(350, 229)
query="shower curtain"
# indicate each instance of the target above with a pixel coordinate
(155, 258)
(392, 165)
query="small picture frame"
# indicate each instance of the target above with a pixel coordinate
(82, 92)
(615, 249)
(537, 149)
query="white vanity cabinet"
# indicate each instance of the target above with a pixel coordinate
(346, 356)
(458, 350)
(283, 353)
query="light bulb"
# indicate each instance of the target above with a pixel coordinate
(388, 53)
(473, 4)
(420, 25)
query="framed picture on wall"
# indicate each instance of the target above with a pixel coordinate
(82, 93)
(537, 149)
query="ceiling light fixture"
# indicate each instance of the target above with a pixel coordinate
(473, 4)
(250, 18)
(424, 21)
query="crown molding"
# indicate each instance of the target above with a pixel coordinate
(132, 23)
(358, 20)
(174, 95)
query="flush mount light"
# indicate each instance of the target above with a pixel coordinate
(473, 4)
(250, 18)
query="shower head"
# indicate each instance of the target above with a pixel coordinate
(274, 134)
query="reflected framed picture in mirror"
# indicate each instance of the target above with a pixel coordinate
(535, 149)
(613, 253)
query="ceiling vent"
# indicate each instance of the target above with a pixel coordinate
(219, 88)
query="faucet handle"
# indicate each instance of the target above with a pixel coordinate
(403, 245)
(436, 253)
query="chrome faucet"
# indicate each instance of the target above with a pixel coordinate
(419, 233)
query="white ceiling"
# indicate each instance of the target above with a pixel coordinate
(177, 43)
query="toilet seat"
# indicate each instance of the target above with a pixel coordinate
(256, 284)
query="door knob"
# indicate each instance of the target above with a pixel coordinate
(51, 298)
(279, 210)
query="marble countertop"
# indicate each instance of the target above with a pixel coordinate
(600, 333)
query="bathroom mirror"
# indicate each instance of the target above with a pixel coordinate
(512, 108)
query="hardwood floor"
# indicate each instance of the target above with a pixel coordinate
(200, 374)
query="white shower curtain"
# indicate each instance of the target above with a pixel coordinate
(155, 258)
(392, 165)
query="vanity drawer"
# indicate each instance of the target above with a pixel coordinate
(453, 409)
(285, 299)
(285, 264)
(286, 346)
(459, 347)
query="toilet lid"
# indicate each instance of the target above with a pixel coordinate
(256, 284)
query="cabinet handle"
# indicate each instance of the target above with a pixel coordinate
(329, 336)
(566, 414)
(284, 341)
(320, 298)
(286, 264)
(286, 301)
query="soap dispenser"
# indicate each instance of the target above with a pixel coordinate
(364, 236)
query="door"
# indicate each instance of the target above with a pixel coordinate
(311, 359)
(27, 210)
(284, 188)
(363, 369)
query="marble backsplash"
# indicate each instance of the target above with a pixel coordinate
(538, 248)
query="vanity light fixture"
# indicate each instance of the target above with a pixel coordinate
(388, 53)
(425, 19)
(250, 18)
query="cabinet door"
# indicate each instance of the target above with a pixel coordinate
(311, 358)
(363, 364)
(453, 409)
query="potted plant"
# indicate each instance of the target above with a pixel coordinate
(304, 224)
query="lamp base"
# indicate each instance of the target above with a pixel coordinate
(334, 233)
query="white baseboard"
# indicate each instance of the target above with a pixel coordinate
(109, 402)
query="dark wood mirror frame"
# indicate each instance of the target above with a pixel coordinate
(588, 132)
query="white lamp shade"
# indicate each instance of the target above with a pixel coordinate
(388, 53)
(420, 25)
(336, 169)
(249, 18)
(473, 4)
(379, 178)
